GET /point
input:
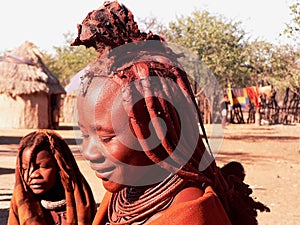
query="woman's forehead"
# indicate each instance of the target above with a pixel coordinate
(33, 153)
(100, 89)
(44, 154)
(97, 104)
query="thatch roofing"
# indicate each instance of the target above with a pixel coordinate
(23, 72)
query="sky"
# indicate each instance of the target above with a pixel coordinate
(45, 22)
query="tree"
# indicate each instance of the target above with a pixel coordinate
(68, 60)
(217, 42)
(258, 60)
(277, 65)
(293, 31)
(293, 28)
(152, 24)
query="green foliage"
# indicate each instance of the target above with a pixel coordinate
(223, 46)
(218, 43)
(68, 60)
(275, 65)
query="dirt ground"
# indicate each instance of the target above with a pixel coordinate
(270, 155)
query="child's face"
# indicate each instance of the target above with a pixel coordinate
(40, 176)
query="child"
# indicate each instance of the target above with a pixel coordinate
(49, 188)
(139, 121)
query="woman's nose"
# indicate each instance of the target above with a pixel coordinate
(35, 172)
(92, 149)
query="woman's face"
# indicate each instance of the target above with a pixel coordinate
(108, 143)
(40, 175)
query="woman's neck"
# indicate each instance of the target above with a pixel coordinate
(138, 204)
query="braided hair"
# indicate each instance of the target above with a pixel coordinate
(149, 71)
(70, 185)
(47, 139)
(109, 26)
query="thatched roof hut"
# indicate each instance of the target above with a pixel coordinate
(29, 92)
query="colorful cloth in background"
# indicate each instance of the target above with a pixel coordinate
(238, 97)
(253, 95)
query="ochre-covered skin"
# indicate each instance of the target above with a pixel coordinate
(35, 182)
(133, 65)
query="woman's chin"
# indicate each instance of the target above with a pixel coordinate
(108, 184)
(112, 186)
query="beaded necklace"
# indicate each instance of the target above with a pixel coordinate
(53, 205)
(55, 208)
(135, 205)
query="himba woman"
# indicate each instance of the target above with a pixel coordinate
(139, 122)
(49, 187)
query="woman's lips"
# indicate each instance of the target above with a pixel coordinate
(101, 176)
(104, 175)
(36, 185)
(103, 172)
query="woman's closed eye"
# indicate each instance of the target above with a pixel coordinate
(45, 165)
(107, 139)
(83, 135)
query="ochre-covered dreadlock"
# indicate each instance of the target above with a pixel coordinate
(240, 207)
(141, 66)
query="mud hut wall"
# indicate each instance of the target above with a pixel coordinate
(12, 110)
(24, 112)
(68, 109)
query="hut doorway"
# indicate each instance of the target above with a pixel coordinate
(54, 111)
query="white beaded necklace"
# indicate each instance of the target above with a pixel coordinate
(53, 205)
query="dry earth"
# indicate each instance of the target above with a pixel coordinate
(270, 155)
